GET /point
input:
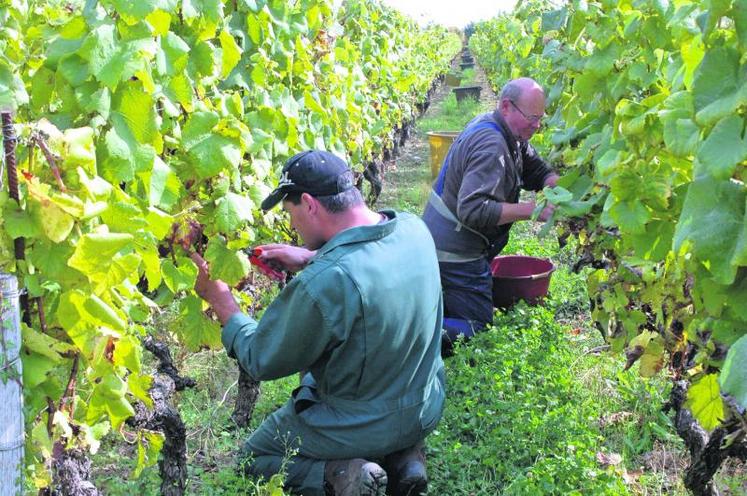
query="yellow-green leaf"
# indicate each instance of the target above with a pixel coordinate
(704, 401)
(231, 53)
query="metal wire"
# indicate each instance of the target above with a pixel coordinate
(15, 444)
(11, 363)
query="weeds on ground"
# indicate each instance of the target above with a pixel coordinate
(468, 76)
(414, 198)
(540, 413)
(453, 116)
(517, 420)
(213, 440)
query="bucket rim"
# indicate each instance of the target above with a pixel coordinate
(443, 134)
(530, 277)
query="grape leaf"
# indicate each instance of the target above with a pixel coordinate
(36, 369)
(149, 444)
(558, 195)
(194, 329)
(94, 252)
(123, 156)
(43, 344)
(704, 401)
(717, 86)
(110, 59)
(733, 377)
(179, 277)
(101, 314)
(139, 385)
(723, 149)
(173, 55)
(165, 188)
(713, 233)
(231, 212)
(210, 152)
(227, 265)
(108, 399)
(133, 11)
(18, 223)
(12, 90)
(134, 111)
(80, 150)
(231, 53)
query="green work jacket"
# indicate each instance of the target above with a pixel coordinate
(364, 319)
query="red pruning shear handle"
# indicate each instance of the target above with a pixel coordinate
(264, 267)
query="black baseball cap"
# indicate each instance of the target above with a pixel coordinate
(315, 172)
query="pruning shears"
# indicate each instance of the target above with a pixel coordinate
(264, 267)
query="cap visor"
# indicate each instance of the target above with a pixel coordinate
(273, 199)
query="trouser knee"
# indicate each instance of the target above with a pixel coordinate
(454, 329)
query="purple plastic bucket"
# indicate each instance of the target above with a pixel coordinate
(519, 277)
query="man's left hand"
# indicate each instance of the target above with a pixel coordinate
(552, 180)
(216, 293)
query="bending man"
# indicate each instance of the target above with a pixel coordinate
(475, 200)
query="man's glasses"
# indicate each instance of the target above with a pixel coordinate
(532, 119)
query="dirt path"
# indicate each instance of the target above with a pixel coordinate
(407, 178)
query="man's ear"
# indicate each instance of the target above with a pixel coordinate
(309, 203)
(503, 105)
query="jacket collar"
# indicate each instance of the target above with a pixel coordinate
(360, 234)
(511, 141)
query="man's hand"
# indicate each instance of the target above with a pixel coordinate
(546, 212)
(512, 212)
(216, 293)
(551, 180)
(290, 258)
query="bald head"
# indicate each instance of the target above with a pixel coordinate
(522, 105)
(516, 88)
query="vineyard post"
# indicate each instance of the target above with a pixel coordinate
(11, 413)
(9, 146)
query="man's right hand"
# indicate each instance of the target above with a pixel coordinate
(512, 212)
(290, 258)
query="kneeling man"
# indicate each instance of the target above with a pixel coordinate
(363, 319)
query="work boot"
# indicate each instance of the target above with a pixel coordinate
(354, 477)
(407, 471)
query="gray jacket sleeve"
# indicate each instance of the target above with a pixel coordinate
(483, 187)
(536, 169)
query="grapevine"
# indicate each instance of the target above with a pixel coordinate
(647, 115)
(149, 127)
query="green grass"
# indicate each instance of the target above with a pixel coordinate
(415, 197)
(517, 421)
(407, 188)
(468, 77)
(529, 408)
(627, 413)
(452, 116)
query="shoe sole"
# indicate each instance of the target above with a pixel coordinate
(413, 487)
(373, 483)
